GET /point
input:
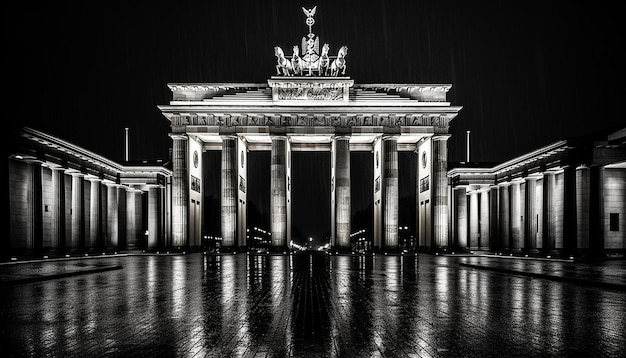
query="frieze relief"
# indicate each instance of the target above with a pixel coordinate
(294, 120)
(316, 94)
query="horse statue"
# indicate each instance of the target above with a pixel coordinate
(324, 61)
(339, 64)
(282, 62)
(296, 61)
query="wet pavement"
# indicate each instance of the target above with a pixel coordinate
(312, 305)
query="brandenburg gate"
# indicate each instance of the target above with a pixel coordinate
(310, 104)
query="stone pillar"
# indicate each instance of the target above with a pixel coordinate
(58, 209)
(474, 217)
(278, 193)
(180, 191)
(242, 193)
(516, 213)
(460, 209)
(132, 229)
(341, 155)
(504, 215)
(77, 241)
(229, 192)
(94, 214)
(154, 217)
(122, 217)
(112, 217)
(440, 189)
(35, 233)
(569, 224)
(377, 235)
(530, 215)
(484, 220)
(390, 192)
(582, 208)
(548, 213)
(494, 219)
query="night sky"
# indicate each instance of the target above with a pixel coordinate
(526, 73)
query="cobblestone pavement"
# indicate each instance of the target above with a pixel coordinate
(306, 305)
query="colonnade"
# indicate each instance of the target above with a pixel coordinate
(538, 212)
(60, 210)
(385, 235)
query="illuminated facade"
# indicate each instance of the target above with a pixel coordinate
(294, 113)
(567, 199)
(65, 200)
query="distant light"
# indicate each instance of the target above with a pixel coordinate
(13, 258)
(20, 158)
(45, 256)
(549, 257)
(67, 255)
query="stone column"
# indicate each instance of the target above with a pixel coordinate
(377, 235)
(34, 243)
(112, 217)
(229, 192)
(342, 191)
(569, 226)
(180, 191)
(242, 193)
(390, 191)
(122, 217)
(278, 193)
(530, 215)
(484, 220)
(154, 218)
(582, 208)
(58, 209)
(494, 219)
(504, 215)
(132, 230)
(440, 189)
(460, 210)
(474, 217)
(548, 220)
(94, 214)
(515, 221)
(77, 241)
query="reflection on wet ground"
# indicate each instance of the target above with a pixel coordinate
(308, 305)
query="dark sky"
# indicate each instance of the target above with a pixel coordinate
(527, 73)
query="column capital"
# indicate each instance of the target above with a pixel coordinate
(109, 183)
(582, 167)
(341, 136)
(533, 177)
(438, 137)
(92, 178)
(178, 136)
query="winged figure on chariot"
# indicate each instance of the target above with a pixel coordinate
(309, 60)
